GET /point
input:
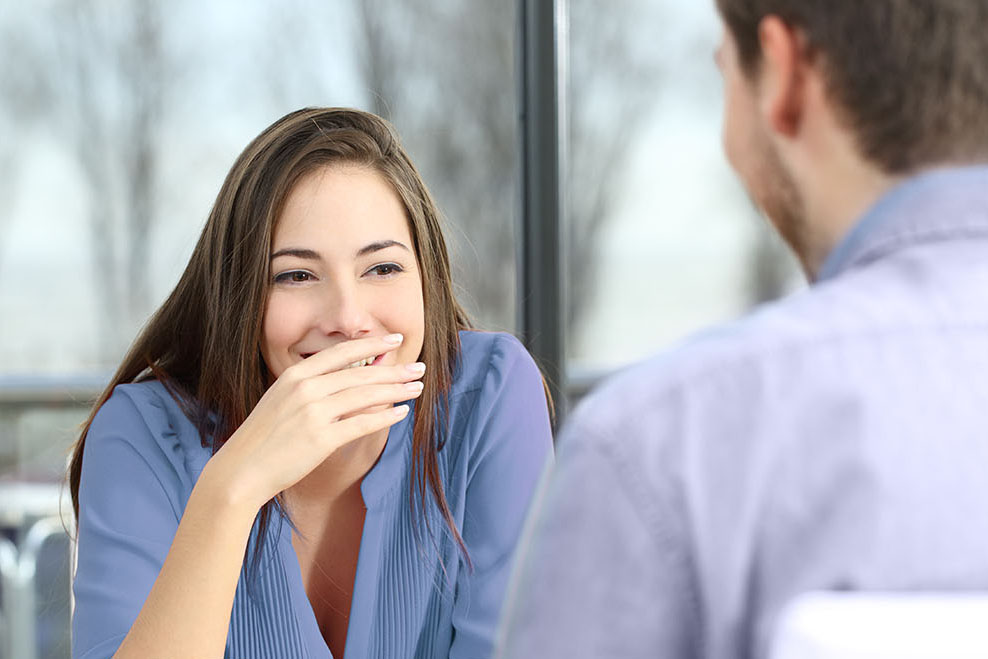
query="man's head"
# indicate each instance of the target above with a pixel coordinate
(911, 76)
(825, 92)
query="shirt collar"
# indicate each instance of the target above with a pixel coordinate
(937, 205)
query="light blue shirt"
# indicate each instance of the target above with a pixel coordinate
(410, 598)
(834, 440)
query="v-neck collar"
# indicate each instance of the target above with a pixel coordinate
(378, 489)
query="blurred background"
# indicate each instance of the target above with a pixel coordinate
(120, 118)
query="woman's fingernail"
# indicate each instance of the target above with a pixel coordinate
(418, 368)
(393, 339)
(400, 410)
(416, 386)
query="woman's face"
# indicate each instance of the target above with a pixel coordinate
(342, 267)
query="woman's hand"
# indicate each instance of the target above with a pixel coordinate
(315, 407)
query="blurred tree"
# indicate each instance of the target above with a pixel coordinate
(8, 172)
(300, 61)
(94, 74)
(456, 115)
(445, 72)
(615, 81)
(21, 93)
(109, 78)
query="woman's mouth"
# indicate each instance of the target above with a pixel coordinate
(362, 362)
(370, 361)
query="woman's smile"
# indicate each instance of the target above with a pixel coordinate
(370, 361)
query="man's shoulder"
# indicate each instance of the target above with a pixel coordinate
(784, 325)
(726, 363)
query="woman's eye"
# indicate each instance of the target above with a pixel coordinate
(385, 269)
(293, 277)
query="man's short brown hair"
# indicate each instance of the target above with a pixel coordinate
(909, 76)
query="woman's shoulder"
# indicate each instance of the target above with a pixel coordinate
(488, 357)
(502, 408)
(148, 402)
(146, 417)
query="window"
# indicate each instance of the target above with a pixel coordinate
(661, 239)
(118, 122)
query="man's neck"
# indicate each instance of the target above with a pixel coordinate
(836, 197)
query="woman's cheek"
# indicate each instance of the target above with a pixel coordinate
(282, 329)
(415, 331)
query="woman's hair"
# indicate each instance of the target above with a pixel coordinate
(204, 342)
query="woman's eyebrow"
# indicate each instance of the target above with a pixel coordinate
(298, 252)
(381, 244)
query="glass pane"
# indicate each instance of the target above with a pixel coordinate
(122, 118)
(444, 72)
(662, 239)
(118, 122)
(137, 134)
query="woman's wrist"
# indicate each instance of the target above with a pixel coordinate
(231, 496)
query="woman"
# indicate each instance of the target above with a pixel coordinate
(306, 451)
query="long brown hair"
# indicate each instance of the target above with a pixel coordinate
(204, 342)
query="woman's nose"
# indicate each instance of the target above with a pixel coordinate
(344, 312)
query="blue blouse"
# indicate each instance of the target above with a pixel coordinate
(413, 596)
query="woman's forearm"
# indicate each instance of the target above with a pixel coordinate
(187, 613)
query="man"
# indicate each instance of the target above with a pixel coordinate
(837, 439)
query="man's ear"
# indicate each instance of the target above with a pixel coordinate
(782, 84)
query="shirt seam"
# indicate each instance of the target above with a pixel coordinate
(881, 248)
(140, 454)
(628, 478)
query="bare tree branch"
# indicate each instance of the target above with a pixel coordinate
(441, 65)
(444, 73)
(142, 80)
(22, 93)
(614, 85)
(107, 75)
